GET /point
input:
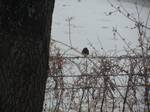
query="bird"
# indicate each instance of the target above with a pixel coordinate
(85, 51)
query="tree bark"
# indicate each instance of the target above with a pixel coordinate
(25, 27)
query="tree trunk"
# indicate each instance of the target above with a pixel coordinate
(25, 27)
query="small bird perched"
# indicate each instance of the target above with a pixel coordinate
(85, 51)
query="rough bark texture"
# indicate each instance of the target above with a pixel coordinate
(25, 27)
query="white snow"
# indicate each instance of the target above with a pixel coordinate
(90, 23)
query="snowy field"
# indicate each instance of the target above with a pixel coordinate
(92, 26)
(90, 23)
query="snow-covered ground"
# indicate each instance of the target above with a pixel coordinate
(90, 23)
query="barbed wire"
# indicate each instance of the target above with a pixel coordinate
(95, 87)
(99, 75)
(102, 57)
